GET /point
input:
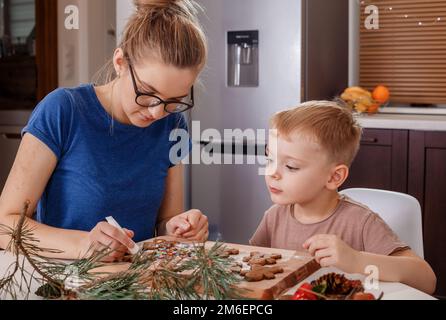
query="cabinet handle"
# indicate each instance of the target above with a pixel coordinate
(369, 140)
(11, 136)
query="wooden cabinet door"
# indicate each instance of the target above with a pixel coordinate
(46, 47)
(381, 162)
(427, 182)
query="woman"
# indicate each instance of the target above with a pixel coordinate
(92, 152)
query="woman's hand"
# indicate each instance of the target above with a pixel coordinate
(104, 236)
(331, 251)
(191, 225)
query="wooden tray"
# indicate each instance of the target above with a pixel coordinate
(297, 266)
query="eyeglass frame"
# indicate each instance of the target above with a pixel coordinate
(165, 102)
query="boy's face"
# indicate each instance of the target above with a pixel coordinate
(298, 169)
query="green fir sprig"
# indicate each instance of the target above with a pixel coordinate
(203, 275)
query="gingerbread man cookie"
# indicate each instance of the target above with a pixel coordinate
(261, 259)
(226, 253)
(260, 273)
(236, 267)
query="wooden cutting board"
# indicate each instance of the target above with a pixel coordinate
(297, 266)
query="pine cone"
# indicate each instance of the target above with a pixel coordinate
(337, 284)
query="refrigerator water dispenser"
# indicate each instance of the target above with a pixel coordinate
(243, 59)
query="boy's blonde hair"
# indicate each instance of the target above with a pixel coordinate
(331, 125)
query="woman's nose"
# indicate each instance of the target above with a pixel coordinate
(157, 112)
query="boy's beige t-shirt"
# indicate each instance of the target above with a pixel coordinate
(353, 222)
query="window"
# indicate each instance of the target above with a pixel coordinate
(22, 19)
(408, 51)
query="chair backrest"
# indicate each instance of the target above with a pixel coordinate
(400, 211)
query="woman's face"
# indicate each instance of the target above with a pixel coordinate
(152, 77)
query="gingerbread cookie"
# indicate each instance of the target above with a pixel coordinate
(158, 244)
(257, 258)
(236, 267)
(226, 253)
(162, 249)
(127, 258)
(260, 273)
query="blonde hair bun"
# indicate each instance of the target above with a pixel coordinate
(151, 4)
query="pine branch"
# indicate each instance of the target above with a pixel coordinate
(203, 275)
(212, 274)
(22, 247)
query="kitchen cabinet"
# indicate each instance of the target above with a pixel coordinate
(412, 162)
(427, 182)
(381, 162)
(28, 68)
(11, 125)
(28, 52)
(9, 144)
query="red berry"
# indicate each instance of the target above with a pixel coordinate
(363, 296)
(304, 293)
(299, 296)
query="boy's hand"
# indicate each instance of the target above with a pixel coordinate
(191, 225)
(331, 251)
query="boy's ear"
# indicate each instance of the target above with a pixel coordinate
(338, 176)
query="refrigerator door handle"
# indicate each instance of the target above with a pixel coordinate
(235, 148)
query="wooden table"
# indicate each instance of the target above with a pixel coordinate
(392, 291)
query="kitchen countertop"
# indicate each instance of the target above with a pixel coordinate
(14, 117)
(423, 122)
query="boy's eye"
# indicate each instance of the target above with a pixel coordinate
(292, 168)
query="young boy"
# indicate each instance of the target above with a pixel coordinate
(310, 151)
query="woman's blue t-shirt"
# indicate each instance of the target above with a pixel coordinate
(102, 170)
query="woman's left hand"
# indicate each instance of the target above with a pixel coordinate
(191, 225)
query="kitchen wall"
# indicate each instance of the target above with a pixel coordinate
(124, 8)
(85, 51)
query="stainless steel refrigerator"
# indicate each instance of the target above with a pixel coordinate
(265, 56)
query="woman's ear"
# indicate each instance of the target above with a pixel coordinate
(338, 176)
(119, 62)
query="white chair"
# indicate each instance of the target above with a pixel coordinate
(400, 211)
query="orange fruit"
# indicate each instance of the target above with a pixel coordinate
(381, 94)
(373, 108)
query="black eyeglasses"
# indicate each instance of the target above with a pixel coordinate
(151, 101)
